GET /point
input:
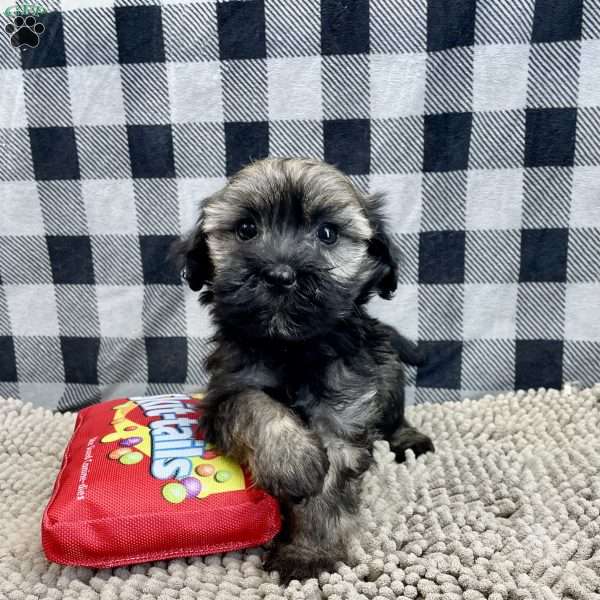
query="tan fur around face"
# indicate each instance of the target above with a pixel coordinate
(256, 185)
(324, 189)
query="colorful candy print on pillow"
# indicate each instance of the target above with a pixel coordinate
(137, 483)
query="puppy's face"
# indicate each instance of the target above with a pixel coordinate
(287, 248)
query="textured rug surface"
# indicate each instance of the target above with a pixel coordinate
(508, 507)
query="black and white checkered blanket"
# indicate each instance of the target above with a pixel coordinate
(480, 120)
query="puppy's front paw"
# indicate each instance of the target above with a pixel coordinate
(299, 562)
(409, 438)
(292, 468)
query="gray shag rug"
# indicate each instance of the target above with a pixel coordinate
(508, 507)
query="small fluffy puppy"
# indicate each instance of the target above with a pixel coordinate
(302, 380)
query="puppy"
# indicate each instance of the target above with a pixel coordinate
(302, 380)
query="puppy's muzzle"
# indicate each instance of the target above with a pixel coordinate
(280, 277)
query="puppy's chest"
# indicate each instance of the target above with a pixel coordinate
(325, 394)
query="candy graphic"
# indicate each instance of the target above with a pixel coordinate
(118, 452)
(223, 476)
(131, 458)
(174, 492)
(210, 454)
(131, 441)
(205, 470)
(192, 486)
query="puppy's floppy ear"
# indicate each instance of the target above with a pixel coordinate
(382, 248)
(192, 258)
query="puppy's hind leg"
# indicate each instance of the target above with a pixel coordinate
(407, 437)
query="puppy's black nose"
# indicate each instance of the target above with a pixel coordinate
(280, 275)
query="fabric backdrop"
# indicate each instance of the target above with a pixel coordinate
(479, 119)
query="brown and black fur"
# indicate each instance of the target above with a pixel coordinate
(302, 380)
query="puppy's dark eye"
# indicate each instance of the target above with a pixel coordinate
(246, 229)
(327, 233)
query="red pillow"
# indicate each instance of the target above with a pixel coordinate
(137, 483)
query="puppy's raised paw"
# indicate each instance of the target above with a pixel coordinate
(298, 562)
(293, 469)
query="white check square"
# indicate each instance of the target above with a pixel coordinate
(403, 200)
(191, 192)
(295, 88)
(489, 311)
(401, 311)
(120, 310)
(589, 70)
(195, 91)
(32, 309)
(20, 209)
(494, 198)
(500, 76)
(109, 206)
(585, 200)
(581, 320)
(96, 95)
(397, 85)
(12, 99)
(197, 318)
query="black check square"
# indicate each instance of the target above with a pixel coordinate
(54, 153)
(557, 20)
(550, 137)
(447, 138)
(51, 52)
(8, 364)
(538, 363)
(167, 359)
(344, 27)
(71, 258)
(544, 255)
(151, 150)
(156, 265)
(443, 364)
(347, 144)
(241, 30)
(245, 142)
(450, 23)
(442, 257)
(139, 34)
(80, 358)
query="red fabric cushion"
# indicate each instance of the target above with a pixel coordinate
(138, 483)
